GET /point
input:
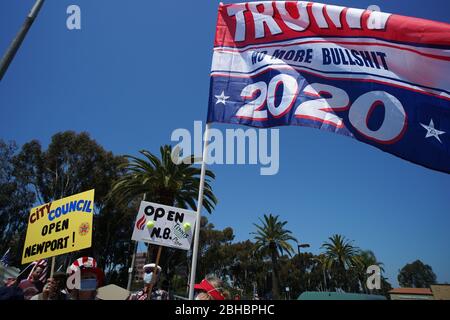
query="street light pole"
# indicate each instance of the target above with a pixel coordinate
(15, 44)
(302, 245)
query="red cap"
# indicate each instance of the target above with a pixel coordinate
(204, 285)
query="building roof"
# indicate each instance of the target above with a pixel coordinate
(316, 295)
(421, 291)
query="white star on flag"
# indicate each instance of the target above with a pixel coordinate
(432, 131)
(222, 98)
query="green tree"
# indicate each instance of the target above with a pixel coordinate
(163, 181)
(15, 204)
(111, 243)
(385, 288)
(214, 254)
(247, 268)
(272, 239)
(319, 272)
(297, 274)
(416, 275)
(340, 259)
(71, 164)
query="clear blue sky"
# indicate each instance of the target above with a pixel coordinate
(139, 69)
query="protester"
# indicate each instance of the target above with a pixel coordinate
(10, 282)
(11, 293)
(150, 281)
(53, 290)
(211, 288)
(91, 278)
(33, 284)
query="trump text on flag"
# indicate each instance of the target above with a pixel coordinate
(380, 78)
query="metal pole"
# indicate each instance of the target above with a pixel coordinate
(155, 274)
(189, 277)
(130, 270)
(199, 210)
(52, 269)
(133, 258)
(15, 44)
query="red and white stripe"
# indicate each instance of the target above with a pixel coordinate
(87, 262)
(40, 263)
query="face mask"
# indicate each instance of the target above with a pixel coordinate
(148, 277)
(88, 284)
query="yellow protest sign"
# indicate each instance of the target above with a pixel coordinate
(59, 227)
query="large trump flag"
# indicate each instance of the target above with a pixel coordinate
(380, 78)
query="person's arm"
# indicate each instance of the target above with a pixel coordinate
(37, 297)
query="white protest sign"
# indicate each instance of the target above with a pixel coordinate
(164, 225)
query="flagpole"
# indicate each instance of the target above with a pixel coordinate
(23, 271)
(199, 210)
(4, 258)
(15, 44)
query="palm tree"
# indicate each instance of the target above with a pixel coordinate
(367, 258)
(163, 181)
(340, 258)
(272, 239)
(321, 263)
